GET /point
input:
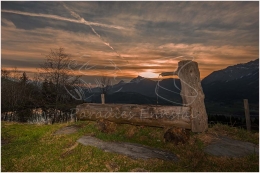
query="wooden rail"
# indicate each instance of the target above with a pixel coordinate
(148, 115)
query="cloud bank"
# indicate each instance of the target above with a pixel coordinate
(146, 35)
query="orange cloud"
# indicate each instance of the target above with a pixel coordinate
(136, 58)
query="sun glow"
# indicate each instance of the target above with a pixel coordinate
(149, 74)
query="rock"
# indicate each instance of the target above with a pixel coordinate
(130, 149)
(228, 147)
(176, 135)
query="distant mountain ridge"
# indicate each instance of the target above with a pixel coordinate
(233, 72)
(228, 85)
(144, 87)
(233, 83)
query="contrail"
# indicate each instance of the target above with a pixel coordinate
(89, 24)
(50, 16)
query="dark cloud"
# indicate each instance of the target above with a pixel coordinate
(19, 63)
(143, 32)
(47, 7)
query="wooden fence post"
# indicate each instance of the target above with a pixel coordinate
(103, 98)
(247, 114)
(192, 94)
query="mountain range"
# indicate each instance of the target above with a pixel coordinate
(223, 87)
(233, 83)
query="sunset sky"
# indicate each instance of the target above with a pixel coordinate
(127, 39)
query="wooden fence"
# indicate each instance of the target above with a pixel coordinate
(192, 115)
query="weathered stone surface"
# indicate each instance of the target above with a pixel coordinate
(130, 149)
(67, 130)
(228, 147)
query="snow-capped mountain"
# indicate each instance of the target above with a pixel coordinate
(234, 72)
(233, 83)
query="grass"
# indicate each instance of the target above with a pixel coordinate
(35, 148)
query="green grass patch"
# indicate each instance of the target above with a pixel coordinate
(35, 148)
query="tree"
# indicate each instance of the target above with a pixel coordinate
(5, 73)
(16, 94)
(23, 108)
(104, 85)
(29, 93)
(10, 93)
(57, 75)
(19, 95)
